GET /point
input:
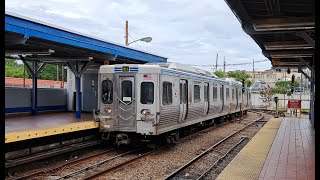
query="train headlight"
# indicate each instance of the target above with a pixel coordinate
(145, 112)
(107, 110)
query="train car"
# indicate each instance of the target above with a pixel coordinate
(146, 100)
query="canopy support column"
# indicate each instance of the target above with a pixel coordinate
(77, 71)
(34, 71)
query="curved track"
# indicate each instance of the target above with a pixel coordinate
(176, 172)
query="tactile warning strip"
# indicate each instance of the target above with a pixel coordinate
(249, 161)
(15, 136)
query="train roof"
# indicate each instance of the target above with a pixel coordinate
(185, 68)
(174, 68)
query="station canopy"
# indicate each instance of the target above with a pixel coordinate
(43, 42)
(283, 29)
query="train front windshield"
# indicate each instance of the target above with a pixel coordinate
(107, 91)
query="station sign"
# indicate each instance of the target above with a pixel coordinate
(296, 104)
(276, 62)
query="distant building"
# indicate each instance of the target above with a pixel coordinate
(270, 77)
(19, 82)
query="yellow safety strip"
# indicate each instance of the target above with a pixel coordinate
(15, 136)
(250, 160)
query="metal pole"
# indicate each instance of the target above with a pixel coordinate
(34, 88)
(78, 91)
(224, 64)
(78, 86)
(217, 62)
(127, 33)
(253, 71)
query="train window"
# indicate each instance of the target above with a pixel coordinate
(126, 91)
(107, 91)
(232, 94)
(196, 94)
(227, 94)
(147, 93)
(167, 93)
(215, 92)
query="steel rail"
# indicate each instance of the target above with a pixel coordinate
(50, 153)
(177, 171)
(99, 163)
(98, 174)
(220, 159)
(63, 166)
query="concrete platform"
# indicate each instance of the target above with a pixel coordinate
(18, 128)
(283, 149)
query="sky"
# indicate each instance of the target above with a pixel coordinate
(184, 31)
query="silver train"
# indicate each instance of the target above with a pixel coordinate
(148, 100)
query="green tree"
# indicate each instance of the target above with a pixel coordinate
(49, 71)
(248, 82)
(282, 87)
(239, 76)
(13, 69)
(220, 74)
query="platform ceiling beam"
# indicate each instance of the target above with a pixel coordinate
(307, 38)
(290, 53)
(279, 45)
(305, 74)
(276, 24)
(305, 63)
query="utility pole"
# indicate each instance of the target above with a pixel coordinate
(217, 63)
(253, 71)
(224, 64)
(127, 34)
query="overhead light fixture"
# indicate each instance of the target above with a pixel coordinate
(29, 53)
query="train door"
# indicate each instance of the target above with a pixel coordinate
(247, 92)
(222, 96)
(237, 98)
(183, 100)
(89, 92)
(206, 98)
(126, 102)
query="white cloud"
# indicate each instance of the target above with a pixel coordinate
(187, 31)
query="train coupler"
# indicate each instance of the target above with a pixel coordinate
(122, 139)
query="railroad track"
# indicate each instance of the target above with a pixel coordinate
(49, 153)
(108, 170)
(137, 153)
(177, 172)
(53, 171)
(61, 167)
(101, 173)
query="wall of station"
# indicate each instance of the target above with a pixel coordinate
(89, 89)
(19, 100)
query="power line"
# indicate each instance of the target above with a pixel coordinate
(238, 64)
(136, 43)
